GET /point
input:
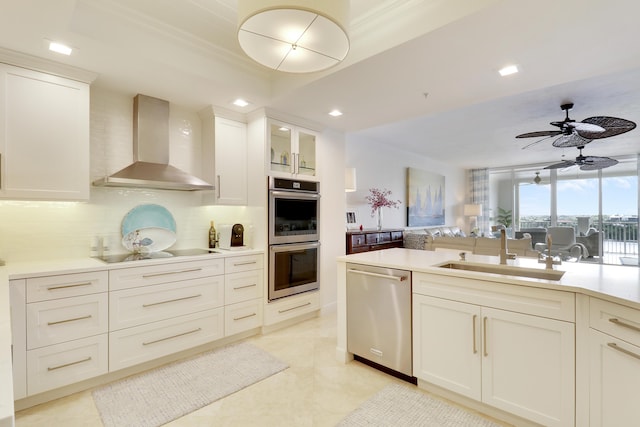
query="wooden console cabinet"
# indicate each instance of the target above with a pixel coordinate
(373, 240)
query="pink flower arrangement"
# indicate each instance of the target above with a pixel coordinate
(380, 199)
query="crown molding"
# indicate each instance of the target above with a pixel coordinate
(35, 63)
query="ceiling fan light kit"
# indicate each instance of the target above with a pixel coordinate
(579, 134)
(294, 36)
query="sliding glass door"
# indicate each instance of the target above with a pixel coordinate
(601, 206)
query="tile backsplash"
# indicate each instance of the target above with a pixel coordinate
(31, 230)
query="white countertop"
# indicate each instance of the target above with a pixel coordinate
(20, 270)
(614, 283)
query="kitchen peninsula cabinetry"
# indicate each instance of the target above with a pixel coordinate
(614, 340)
(228, 143)
(44, 136)
(510, 347)
(372, 240)
(292, 151)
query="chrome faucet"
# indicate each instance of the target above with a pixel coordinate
(504, 253)
(548, 260)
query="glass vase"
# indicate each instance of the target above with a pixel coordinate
(379, 219)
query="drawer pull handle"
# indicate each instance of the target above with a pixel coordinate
(171, 300)
(384, 276)
(75, 285)
(626, 325)
(475, 347)
(294, 308)
(57, 322)
(173, 336)
(622, 350)
(484, 337)
(236, 264)
(245, 317)
(245, 286)
(53, 368)
(166, 273)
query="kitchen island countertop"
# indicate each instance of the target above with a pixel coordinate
(615, 283)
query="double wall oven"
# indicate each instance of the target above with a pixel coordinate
(294, 246)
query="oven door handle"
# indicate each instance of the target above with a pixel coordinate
(295, 195)
(294, 247)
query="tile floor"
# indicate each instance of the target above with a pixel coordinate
(316, 390)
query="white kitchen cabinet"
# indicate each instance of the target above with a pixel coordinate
(44, 136)
(59, 326)
(225, 152)
(230, 162)
(474, 345)
(614, 352)
(158, 310)
(292, 151)
(452, 328)
(291, 307)
(244, 288)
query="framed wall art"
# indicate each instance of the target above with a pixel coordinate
(425, 198)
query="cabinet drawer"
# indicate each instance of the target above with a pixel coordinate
(66, 285)
(358, 240)
(378, 238)
(243, 286)
(53, 322)
(243, 263)
(616, 320)
(242, 316)
(137, 306)
(291, 307)
(128, 347)
(166, 273)
(62, 364)
(396, 235)
(539, 302)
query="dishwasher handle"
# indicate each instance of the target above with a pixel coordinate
(385, 276)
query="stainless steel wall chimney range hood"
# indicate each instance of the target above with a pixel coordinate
(151, 168)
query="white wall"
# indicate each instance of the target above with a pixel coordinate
(378, 166)
(331, 161)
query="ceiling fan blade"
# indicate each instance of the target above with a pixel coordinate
(540, 134)
(595, 163)
(561, 165)
(536, 142)
(612, 126)
(572, 140)
(586, 127)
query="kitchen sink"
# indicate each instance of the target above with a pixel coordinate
(508, 270)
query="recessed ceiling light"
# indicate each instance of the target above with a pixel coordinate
(60, 48)
(284, 129)
(335, 113)
(511, 69)
(240, 103)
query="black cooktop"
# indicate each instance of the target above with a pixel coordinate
(111, 259)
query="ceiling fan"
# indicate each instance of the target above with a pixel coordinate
(578, 134)
(586, 163)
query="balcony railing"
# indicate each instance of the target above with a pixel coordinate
(619, 237)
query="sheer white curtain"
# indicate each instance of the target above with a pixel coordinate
(478, 194)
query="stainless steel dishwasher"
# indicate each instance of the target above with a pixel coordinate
(379, 317)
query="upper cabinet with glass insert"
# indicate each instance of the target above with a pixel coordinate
(292, 150)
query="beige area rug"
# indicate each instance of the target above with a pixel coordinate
(400, 405)
(161, 395)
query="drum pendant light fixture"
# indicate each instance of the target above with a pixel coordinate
(294, 36)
